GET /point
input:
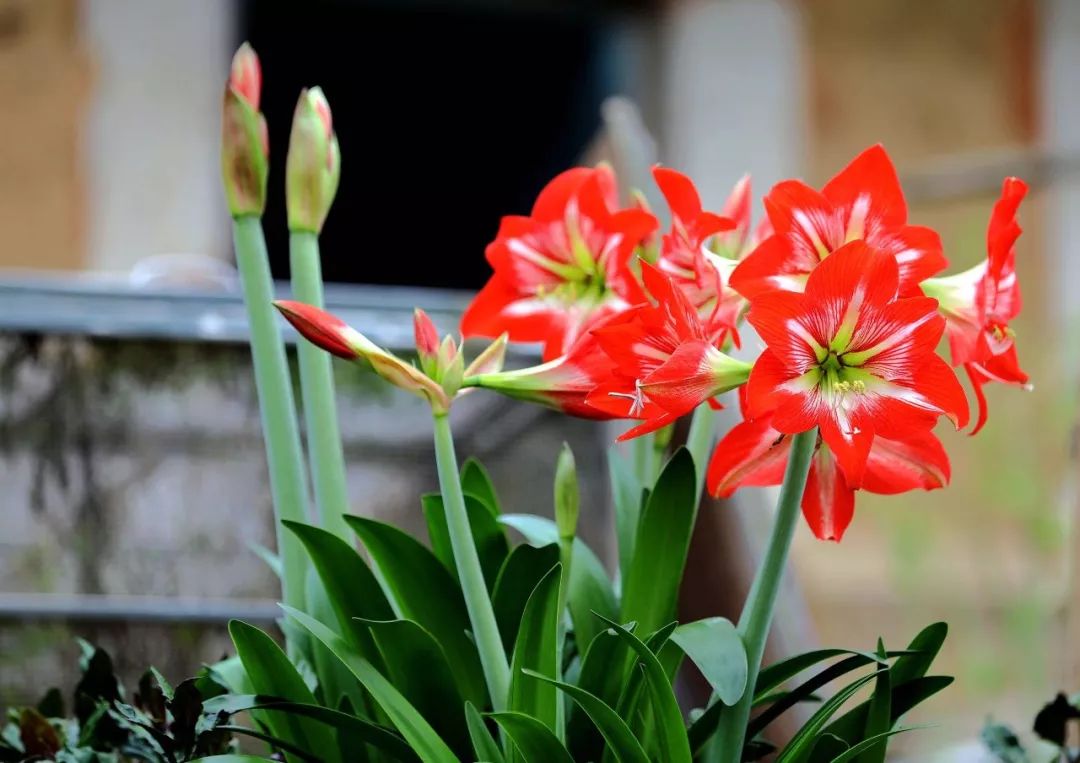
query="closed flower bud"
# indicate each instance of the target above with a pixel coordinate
(567, 499)
(313, 166)
(244, 145)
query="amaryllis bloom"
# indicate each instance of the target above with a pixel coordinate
(562, 384)
(666, 359)
(851, 358)
(753, 453)
(438, 382)
(863, 202)
(564, 268)
(684, 255)
(979, 303)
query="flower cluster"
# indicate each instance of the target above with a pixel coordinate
(841, 290)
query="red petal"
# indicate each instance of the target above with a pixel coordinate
(1003, 230)
(917, 251)
(869, 180)
(751, 454)
(891, 340)
(977, 382)
(767, 268)
(551, 203)
(679, 192)
(737, 206)
(1004, 368)
(649, 425)
(850, 445)
(828, 503)
(765, 392)
(777, 317)
(427, 338)
(938, 383)
(490, 313)
(896, 466)
(853, 272)
(684, 381)
(806, 219)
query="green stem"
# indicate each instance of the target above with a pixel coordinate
(481, 614)
(699, 441)
(566, 556)
(757, 612)
(642, 451)
(326, 458)
(276, 403)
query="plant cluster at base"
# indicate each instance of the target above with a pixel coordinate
(469, 648)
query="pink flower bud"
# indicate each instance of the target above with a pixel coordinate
(245, 79)
(313, 166)
(427, 338)
(319, 327)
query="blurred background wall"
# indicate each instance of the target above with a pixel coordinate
(451, 114)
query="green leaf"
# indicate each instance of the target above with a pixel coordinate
(589, 587)
(417, 731)
(651, 589)
(802, 744)
(271, 672)
(417, 666)
(866, 744)
(476, 481)
(334, 681)
(351, 587)
(904, 697)
(807, 689)
(534, 740)
(878, 715)
(228, 759)
(672, 741)
(776, 674)
(714, 646)
(626, 491)
(427, 593)
(521, 572)
(537, 650)
(488, 535)
(484, 745)
(624, 745)
(602, 674)
(377, 736)
(292, 751)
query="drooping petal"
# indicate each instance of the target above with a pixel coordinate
(751, 454)
(828, 502)
(849, 443)
(897, 466)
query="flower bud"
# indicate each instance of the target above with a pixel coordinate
(313, 166)
(427, 341)
(567, 499)
(244, 144)
(491, 360)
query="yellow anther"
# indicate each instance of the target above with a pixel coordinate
(859, 386)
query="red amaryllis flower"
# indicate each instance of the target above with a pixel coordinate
(563, 383)
(666, 359)
(865, 202)
(848, 357)
(683, 253)
(979, 303)
(562, 269)
(753, 453)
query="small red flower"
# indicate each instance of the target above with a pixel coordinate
(753, 453)
(564, 268)
(562, 384)
(864, 202)
(848, 357)
(666, 359)
(684, 253)
(979, 303)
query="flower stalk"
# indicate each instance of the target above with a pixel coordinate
(326, 457)
(757, 613)
(481, 614)
(276, 403)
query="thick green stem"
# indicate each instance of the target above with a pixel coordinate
(481, 615)
(326, 458)
(757, 612)
(276, 403)
(699, 441)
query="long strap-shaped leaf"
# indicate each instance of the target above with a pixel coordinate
(373, 734)
(533, 739)
(673, 743)
(869, 742)
(802, 744)
(484, 745)
(624, 745)
(417, 732)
